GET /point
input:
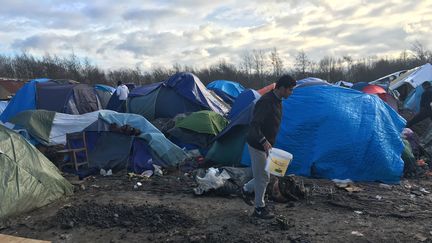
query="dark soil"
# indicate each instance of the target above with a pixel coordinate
(153, 218)
(164, 209)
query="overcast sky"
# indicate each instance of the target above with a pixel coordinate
(117, 34)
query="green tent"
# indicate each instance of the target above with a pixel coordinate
(208, 122)
(228, 149)
(28, 180)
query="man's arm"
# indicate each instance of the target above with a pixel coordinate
(261, 111)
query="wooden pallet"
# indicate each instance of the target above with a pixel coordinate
(15, 239)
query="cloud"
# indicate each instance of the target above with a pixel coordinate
(117, 34)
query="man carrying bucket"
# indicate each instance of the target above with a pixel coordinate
(261, 137)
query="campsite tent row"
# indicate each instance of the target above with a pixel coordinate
(107, 149)
(64, 96)
(181, 93)
(359, 140)
(344, 134)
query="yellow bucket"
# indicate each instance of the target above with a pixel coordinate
(278, 161)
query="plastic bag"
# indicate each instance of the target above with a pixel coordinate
(212, 180)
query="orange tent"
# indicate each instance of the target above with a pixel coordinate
(267, 89)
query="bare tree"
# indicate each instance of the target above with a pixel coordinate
(276, 62)
(247, 63)
(259, 62)
(421, 52)
(302, 64)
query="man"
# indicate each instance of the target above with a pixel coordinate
(425, 105)
(122, 92)
(261, 137)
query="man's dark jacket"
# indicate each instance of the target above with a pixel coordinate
(266, 121)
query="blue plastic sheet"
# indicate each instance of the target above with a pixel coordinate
(190, 87)
(163, 148)
(339, 133)
(106, 88)
(230, 88)
(24, 99)
(242, 102)
(413, 100)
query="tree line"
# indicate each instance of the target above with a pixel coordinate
(256, 69)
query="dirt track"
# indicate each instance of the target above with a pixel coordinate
(165, 210)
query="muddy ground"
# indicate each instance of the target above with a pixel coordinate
(164, 209)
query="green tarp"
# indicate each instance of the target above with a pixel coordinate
(228, 149)
(208, 122)
(28, 180)
(38, 123)
(144, 105)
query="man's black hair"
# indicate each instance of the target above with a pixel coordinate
(286, 81)
(119, 83)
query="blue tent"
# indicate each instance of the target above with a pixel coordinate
(243, 101)
(412, 102)
(311, 81)
(344, 134)
(339, 133)
(106, 88)
(181, 93)
(104, 93)
(227, 90)
(229, 147)
(66, 96)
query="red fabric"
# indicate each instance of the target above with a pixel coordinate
(266, 89)
(373, 89)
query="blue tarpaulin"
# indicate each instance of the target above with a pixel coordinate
(162, 147)
(181, 93)
(339, 133)
(24, 99)
(413, 100)
(242, 102)
(231, 88)
(343, 134)
(104, 87)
